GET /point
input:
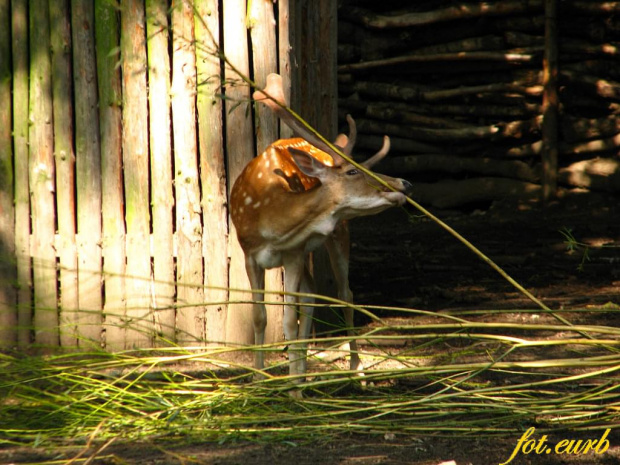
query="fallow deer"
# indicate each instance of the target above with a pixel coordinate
(289, 200)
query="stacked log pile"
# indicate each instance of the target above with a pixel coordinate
(458, 87)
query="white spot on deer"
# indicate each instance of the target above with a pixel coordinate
(248, 200)
(259, 175)
(267, 163)
(256, 205)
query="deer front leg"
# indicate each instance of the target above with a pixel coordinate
(293, 270)
(338, 249)
(259, 314)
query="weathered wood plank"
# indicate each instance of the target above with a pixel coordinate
(212, 169)
(162, 200)
(264, 62)
(135, 169)
(19, 30)
(42, 185)
(239, 149)
(113, 226)
(190, 312)
(8, 271)
(88, 174)
(64, 157)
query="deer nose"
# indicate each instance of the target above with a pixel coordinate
(407, 187)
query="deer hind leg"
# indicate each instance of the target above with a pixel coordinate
(259, 314)
(338, 248)
(293, 273)
(306, 311)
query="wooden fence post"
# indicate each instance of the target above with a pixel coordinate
(113, 227)
(88, 174)
(190, 311)
(550, 103)
(212, 169)
(265, 61)
(41, 166)
(64, 157)
(19, 29)
(135, 170)
(8, 271)
(240, 150)
(162, 199)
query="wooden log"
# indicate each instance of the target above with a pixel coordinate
(160, 137)
(419, 18)
(41, 165)
(20, 102)
(442, 163)
(88, 176)
(191, 324)
(8, 271)
(454, 194)
(212, 170)
(600, 87)
(528, 55)
(427, 134)
(602, 8)
(64, 155)
(387, 112)
(397, 144)
(112, 206)
(574, 129)
(600, 174)
(551, 104)
(240, 150)
(264, 62)
(140, 329)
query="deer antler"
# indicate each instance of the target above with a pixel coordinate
(377, 157)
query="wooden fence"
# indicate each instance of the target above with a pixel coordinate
(121, 132)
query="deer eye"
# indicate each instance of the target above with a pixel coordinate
(352, 172)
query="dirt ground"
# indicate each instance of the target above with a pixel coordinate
(404, 260)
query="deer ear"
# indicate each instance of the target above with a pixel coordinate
(309, 165)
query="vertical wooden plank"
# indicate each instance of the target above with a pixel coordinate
(327, 98)
(212, 169)
(8, 271)
(88, 172)
(162, 200)
(113, 241)
(239, 149)
(287, 50)
(41, 161)
(19, 30)
(550, 105)
(190, 314)
(265, 61)
(65, 165)
(135, 171)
